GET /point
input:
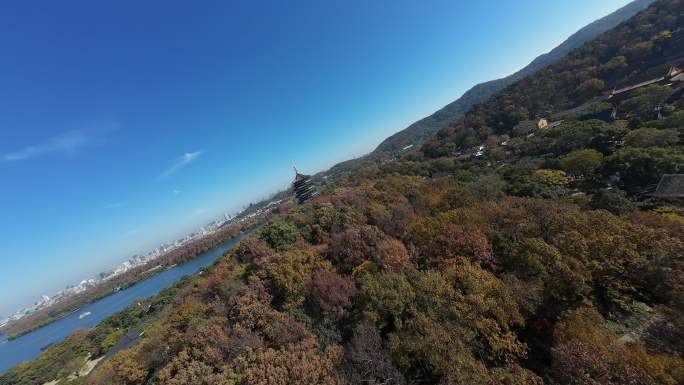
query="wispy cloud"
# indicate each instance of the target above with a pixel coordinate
(187, 158)
(132, 232)
(176, 192)
(65, 142)
(116, 205)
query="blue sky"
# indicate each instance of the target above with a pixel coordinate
(124, 124)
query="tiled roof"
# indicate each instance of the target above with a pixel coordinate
(670, 185)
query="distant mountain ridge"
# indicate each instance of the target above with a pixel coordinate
(423, 129)
(420, 131)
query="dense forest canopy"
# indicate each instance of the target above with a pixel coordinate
(542, 256)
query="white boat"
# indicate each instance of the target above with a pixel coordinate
(82, 316)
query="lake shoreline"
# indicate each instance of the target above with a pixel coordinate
(13, 331)
(13, 336)
(29, 346)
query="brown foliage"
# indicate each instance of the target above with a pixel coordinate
(354, 245)
(332, 293)
(251, 306)
(301, 363)
(368, 360)
(251, 310)
(209, 341)
(458, 241)
(183, 370)
(122, 369)
(392, 255)
(253, 250)
(584, 363)
(289, 275)
(587, 353)
(219, 284)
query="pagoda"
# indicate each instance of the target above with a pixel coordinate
(303, 187)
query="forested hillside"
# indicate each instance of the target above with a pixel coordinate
(506, 251)
(424, 129)
(634, 51)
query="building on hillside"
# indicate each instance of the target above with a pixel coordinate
(303, 187)
(543, 123)
(525, 127)
(556, 123)
(670, 186)
(672, 76)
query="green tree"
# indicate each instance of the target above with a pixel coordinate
(645, 100)
(649, 136)
(590, 88)
(555, 178)
(570, 136)
(615, 64)
(279, 234)
(616, 202)
(643, 166)
(581, 162)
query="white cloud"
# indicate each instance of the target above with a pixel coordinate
(65, 142)
(176, 192)
(188, 157)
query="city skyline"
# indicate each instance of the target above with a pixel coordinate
(132, 262)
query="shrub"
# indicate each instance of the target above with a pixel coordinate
(279, 234)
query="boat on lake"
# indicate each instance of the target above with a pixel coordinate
(82, 316)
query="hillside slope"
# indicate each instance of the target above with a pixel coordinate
(423, 129)
(641, 49)
(523, 263)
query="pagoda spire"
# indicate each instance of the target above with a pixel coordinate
(303, 187)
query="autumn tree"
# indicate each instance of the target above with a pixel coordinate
(122, 369)
(392, 254)
(352, 246)
(369, 360)
(456, 240)
(289, 275)
(301, 363)
(331, 293)
(585, 352)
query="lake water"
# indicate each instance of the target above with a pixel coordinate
(27, 347)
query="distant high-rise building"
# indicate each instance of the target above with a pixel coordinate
(303, 187)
